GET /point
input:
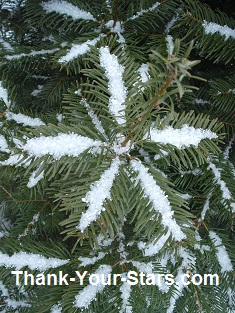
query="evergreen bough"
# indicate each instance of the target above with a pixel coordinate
(117, 125)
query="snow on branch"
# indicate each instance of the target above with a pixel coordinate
(152, 8)
(212, 28)
(10, 303)
(59, 146)
(143, 71)
(225, 191)
(125, 295)
(182, 137)
(188, 263)
(5, 45)
(56, 308)
(64, 7)
(32, 53)
(91, 261)
(32, 261)
(221, 253)
(114, 71)
(94, 118)
(4, 95)
(3, 144)
(34, 180)
(100, 191)
(154, 247)
(88, 294)
(78, 49)
(158, 198)
(24, 119)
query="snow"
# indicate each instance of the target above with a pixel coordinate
(24, 119)
(205, 208)
(94, 119)
(212, 28)
(59, 146)
(152, 8)
(99, 192)
(118, 29)
(125, 295)
(10, 303)
(5, 45)
(188, 263)
(170, 44)
(32, 261)
(4, 95)
(182, 137)
(158, 198)
(155, 246)
(13, 160)
(228, 148)
(3, 144)
(91, 261)
(226, 193)
(77, 50)
(37, 91)
(221, 253)
(201, 101)
(34, 180)
(88, 294)
(143, 71)
(64, 7)
(56, 309)
(114, 71)
(32, 53)
(171, 23)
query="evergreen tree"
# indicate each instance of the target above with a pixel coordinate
(117, 125)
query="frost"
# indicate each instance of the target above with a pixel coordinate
(212, 28)
(4, 95)
(32, 261)
(114, 71)
(78, 49)
(32, 53)
(64, 7)
(152, 8)
(221, 253)
(158, 198)
(24, 119)
(100, 191)
(88, 294)
(181, 138)
(59, 146)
